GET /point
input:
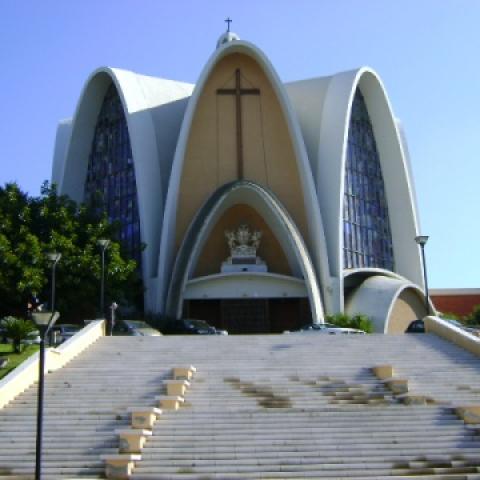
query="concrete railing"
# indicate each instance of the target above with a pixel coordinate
(454, 334)
(26, 373)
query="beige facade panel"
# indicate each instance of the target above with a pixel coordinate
(211, 153)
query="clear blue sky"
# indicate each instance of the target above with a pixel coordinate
(426, 51)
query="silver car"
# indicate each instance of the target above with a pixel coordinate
(329, 328)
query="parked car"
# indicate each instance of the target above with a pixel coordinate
(135, 328)
(417, 326)
(191, 327)
(3, 335)
(327, 328)
(33, 338)
(62, 332)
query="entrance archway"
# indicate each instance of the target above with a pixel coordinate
(284, 230)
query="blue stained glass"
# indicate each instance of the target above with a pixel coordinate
(111, 174)
(367, 234)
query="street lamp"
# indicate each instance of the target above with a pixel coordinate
(44, 321)
(422, 240)
(103, 244)
(53, 258)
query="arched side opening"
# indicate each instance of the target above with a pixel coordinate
(279, 222)
(391, 303)
(408, 306)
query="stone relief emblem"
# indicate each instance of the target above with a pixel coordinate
(242, 242)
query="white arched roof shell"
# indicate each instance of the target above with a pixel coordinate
(307, 98)
(316, 233)
(154, 109)
(330, 112)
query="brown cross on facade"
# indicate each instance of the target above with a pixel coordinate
(238, 91)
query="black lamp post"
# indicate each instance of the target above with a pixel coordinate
(44, 321)
(103, 243)
(422, 240)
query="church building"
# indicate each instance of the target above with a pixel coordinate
(262, 205)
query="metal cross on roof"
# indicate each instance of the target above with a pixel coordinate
(229, 21)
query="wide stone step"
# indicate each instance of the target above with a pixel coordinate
(322, 469)
(311, 474)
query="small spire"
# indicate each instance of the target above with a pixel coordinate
(227, 36)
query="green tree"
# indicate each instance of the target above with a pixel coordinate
(450, 316)
(21, 263)
(17, 330)
(359, 321)
(32, 226)
(474, 317)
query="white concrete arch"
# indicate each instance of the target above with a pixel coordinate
(316, 238)
(354, 276)
(331, 160)
(376, 298)
(278, 220)
(146, 102)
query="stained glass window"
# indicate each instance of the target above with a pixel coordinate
(367, 239)
(111, 174)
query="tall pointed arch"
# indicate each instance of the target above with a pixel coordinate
(206, 155)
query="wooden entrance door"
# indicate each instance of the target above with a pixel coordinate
(246, 316)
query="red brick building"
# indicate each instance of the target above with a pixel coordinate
(455, 300)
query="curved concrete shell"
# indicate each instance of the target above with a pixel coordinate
(154, 109)
(325, 122)
(391, 303)
(313, 232)
(280, 222)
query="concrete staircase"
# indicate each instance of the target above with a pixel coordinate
(266, 406)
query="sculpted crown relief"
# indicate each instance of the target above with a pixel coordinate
(243, 244)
